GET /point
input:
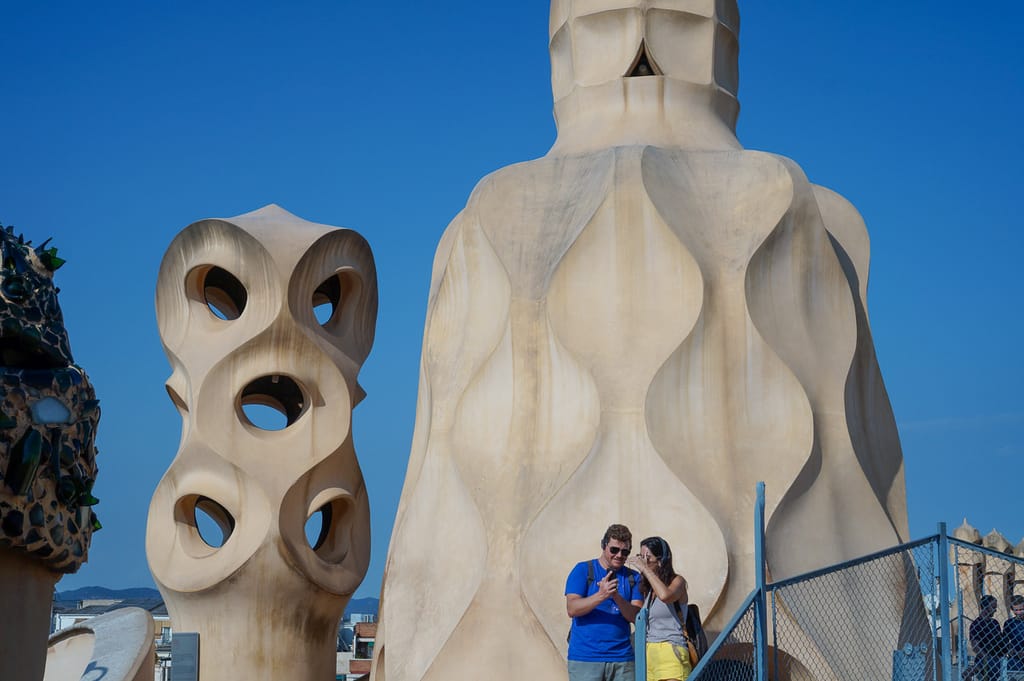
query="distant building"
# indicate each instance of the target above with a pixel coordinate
(359, 630)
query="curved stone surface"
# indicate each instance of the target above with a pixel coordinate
(237, 304)
(114, 646)
(637, 328)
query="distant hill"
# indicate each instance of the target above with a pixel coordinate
(363, 606)
(89, 593)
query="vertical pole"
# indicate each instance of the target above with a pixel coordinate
(961, 637)
(760, 603)
(775, 637)
(640, 645)
(947, 661)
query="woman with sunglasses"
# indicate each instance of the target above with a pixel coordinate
(668, 657)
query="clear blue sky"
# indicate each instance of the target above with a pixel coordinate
(123, 122)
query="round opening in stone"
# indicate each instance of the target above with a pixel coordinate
(213, 522)
(221, 291)
(272, 402)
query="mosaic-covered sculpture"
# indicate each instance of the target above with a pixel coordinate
(48, 419)
(236, 306)
(637, 328)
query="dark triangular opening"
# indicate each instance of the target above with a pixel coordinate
(643, 65)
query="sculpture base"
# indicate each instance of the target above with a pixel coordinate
(26, 596)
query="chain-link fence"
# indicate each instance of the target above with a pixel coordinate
(938, 609)
(883, 617)
(987, 612)
(732, 656)
(873, 618)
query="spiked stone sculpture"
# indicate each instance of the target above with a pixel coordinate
(637, 328)
(48, 419)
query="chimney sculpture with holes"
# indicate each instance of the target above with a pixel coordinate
(636, 328)
(237, 303)
(48, 419)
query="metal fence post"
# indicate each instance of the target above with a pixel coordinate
(961, 638)
(947, 661)
(760, 602)
(775, 638)
(640, 644)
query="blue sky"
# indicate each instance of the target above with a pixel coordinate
(123, 122)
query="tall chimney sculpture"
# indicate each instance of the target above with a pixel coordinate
(236, 305)
(48, 419)
(635, 328)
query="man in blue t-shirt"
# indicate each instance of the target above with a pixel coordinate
(602, 597)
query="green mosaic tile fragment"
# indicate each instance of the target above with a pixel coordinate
(24, 462)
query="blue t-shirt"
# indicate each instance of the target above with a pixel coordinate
(602, 635)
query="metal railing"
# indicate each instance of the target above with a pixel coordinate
(920, 611)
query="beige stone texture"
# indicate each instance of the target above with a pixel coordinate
(114, 646)
(969, 566)
(998, 574)
(27, 591)
(1018, 571)
(266, 603)
(637, 328)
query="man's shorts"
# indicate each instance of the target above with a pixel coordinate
(602, 671)
(667, 661)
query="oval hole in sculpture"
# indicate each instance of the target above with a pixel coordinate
(334, 300)
(265, 417)
(317, 527)
(222, 293)
(272, 402)
(331, 525)
(213, 522)
(326, 299)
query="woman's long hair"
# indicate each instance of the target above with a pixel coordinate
(660, 549)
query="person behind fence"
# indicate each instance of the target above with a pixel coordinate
(987, 641)
(602, 597)
(1013, 633)
(668, 656)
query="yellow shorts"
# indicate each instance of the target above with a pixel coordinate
(667, 661)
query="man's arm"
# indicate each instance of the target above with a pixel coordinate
(577, 606)
(628, 609)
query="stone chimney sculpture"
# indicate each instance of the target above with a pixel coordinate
(635, 328)
(998, 573)
(48, 419)
(969, 566)
(235, 304)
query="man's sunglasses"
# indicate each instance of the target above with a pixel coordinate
(615, 550)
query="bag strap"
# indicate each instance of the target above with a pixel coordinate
(677, 610)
